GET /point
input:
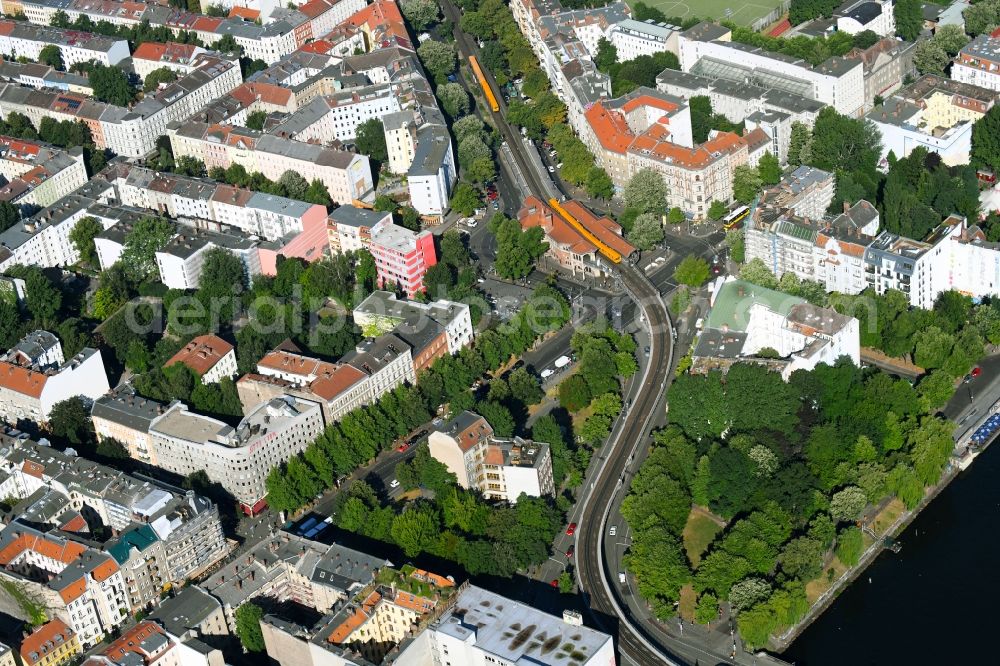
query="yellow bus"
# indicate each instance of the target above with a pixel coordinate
(734, 220)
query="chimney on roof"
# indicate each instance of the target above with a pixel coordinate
(847, 206)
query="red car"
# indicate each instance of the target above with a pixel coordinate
(569, 553)
(976, 371)
(403, 447)
(571, 529)
(555, 582)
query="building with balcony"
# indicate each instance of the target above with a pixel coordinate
(935, 113)
(79, 585)
(239, 458)
(401, 256)
(978, 63)
(500, 469)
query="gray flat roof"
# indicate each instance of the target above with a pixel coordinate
(517, 633)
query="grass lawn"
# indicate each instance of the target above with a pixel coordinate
(700, 531)
(887, 516)
(743, 13)
(818, 586)
(689, 599)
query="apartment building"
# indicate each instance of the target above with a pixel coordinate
(933, 112)
(347, 176)
(825, 250)
(52, 644)
(886, 63)
(19, 39)
(209, 356)
(30, 385)
(127, 132)
(401, 256)
(125, 417)
(500, 469)
(287, 29)
(78, 584)
(180, 58)
(290, 228)
(432, 172)
(338, 387)
(182, 535)
(139, 554)
(350, 229)
(181, 260)
(746, 319)
(978, 63)
(381, 312)
(806, 191)
(695, 177)
(239, 458)
(609, 134)
(387, 360)
(191, 614)
(43, 239)
(633, 38)
(147, 643)
(371, 626)
(837, 82)
(37, 174)
(38, 76)
(856, 16)
(7, 656)
(287, 567)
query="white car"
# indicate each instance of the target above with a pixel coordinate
(547, 372)
(613, 530)
(471, 223)
(552, 169)
(394, 484)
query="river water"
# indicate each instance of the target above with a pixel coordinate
(934, 602)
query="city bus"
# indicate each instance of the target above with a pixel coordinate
(734, 220)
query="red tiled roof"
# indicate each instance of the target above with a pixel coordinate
(536, 213)
(606, 230)
(245, 13)
(131, 641)
(150, 51)
(74, 524)
(41, 641)
(22, 380)
(610, 128)
(201, 354)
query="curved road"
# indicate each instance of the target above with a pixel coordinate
(596, 581)
(631, 430)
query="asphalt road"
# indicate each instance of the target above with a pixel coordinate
(972, 400)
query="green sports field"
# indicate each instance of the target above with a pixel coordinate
(738, 11)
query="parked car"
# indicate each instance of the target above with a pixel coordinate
(569, 552)
(394, 484)
(613, 530)
(571, 529)
(403, 447)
